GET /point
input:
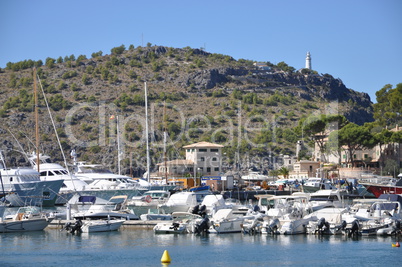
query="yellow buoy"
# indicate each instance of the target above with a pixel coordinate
(165, 257)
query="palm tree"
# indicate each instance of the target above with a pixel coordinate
(284, 172)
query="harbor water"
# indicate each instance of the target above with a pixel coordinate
(134, 247)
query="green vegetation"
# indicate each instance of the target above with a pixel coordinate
(210, 97)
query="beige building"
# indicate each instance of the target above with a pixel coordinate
(304, 169)
(202, 159)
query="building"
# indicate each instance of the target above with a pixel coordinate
(304, 169)
(203, 160)
(207, 157)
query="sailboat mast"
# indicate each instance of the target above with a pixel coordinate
(36, 121)
(146, 129)
(164, 142)
(118, 145)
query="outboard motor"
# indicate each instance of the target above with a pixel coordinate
(73, 228)
(322, 226)
(398, 225)
(175, 226)
(196, 209)
(203, 211)
(354, 230)
(67, 226)
(273, 226)
(202, 227)
(321, 223)
(343, 225)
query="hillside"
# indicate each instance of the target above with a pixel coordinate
(208, 97)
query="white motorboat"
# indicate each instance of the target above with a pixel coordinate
(326, 198)
(23, 186)
(155, 215)
(53, 171)
(92, 226)
(26, 219)
(116, 207)
(214, 203)
(327, 221)
(287, 214)
(182, 223)
(101, 188)
(179, 202)
(313, 184)
(151, 199)
(98, 177)
(224, 221)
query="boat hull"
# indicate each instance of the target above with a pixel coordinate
(24, 225)
(378, 190)
(101, 226)
(40, 193)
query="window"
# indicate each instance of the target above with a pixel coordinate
(202, 150)
(354, 156)
(188, 150)
(214, 150)
(365, 156)
(208, 169)
(216, 169)
(202, 159)
(214, 159)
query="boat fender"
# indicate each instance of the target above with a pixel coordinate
(148, 199)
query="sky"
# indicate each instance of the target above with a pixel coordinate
(358, 41)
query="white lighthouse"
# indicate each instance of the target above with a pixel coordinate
(308, 61)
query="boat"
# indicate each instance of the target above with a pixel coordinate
(387, 186)
(23, 186)
(101, 188)
(313, 184)
(116, 207)
(50, 171)
(182, 223)
(99, 177)
(285, 214)
(183, 201)
(325, 198)
(150, 200)
(155, 215)
(26, 219)
(92, 226)
(224, 221)
(327, 221)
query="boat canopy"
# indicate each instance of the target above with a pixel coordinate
(87, 199)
